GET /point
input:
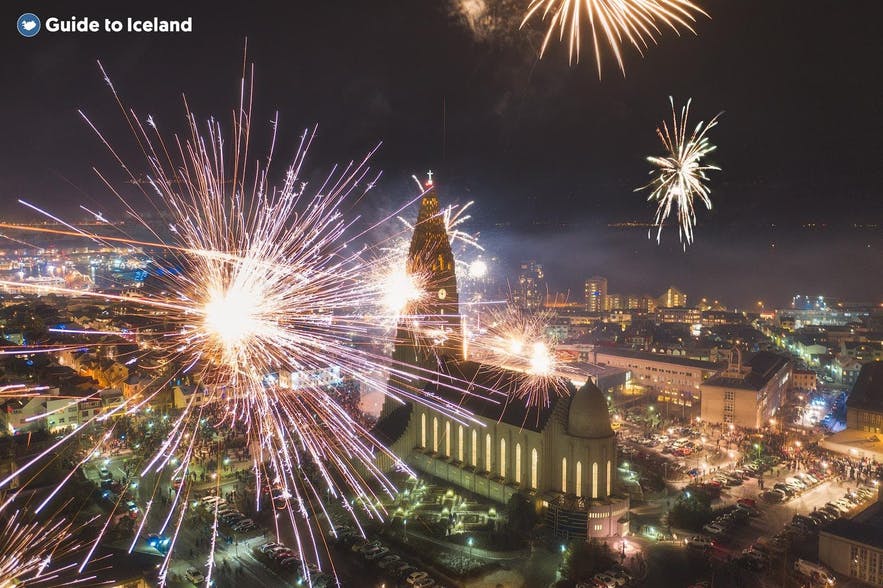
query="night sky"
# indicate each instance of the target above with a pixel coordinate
(550, 154)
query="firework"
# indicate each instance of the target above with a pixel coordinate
(611, 22)
(30, 548)
(268, 285)
(516, 340)
(680, 176)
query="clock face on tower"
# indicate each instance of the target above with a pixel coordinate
(442, 294)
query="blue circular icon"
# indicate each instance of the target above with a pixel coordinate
(28, 24)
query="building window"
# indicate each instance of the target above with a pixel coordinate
(448, 438)
(474, 448)
(599, 527)
(579, 478)
(435, 434)
(595, 479)
(564, 475)
(533, 469)
(487, 453)
(502, 458)
(608, 477)
(460, 443)
(423, 430)
(518, 463)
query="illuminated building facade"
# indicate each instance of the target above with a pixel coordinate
(596, 294)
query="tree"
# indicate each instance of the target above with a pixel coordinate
(521, 515)
(583, 559)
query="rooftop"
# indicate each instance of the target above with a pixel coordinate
(867, 393)
(866, 530)
(659, 357)
(764, 366)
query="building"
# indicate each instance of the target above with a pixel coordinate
(669, 379)
(596, 294)
(845, 370)
(864, 407)
(804, 380)
(864, 417)
(689, 316)
(672, 298)
(614, 302)
(749, 395)
(862, 350)
(530, 292)
(854, 547)
(562, 455)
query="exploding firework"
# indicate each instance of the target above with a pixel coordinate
(268, 289)
(611, 22)
(30, 550)
(680, 176)
(517, 340)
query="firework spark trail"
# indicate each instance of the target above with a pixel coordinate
(269, 285)
(517, 340)
(611, 22)
(28, 548)
(680, 175)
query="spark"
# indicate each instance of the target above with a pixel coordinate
(611, 23)
(29, 549)
(680, 175)
(516, 340)
(269, 284)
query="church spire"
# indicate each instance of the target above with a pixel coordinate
(430, 256)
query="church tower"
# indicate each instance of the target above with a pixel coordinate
(430, 255)
(440, 335)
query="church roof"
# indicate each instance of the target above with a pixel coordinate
(392, 426)
(492, 393)
(588, 415)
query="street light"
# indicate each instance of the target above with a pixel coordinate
(470, 541)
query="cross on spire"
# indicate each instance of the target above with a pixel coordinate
(429, 178)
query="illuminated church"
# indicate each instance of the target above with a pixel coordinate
(562, 456)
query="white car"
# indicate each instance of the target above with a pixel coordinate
(605, 579)
(699, 542)
(416, 577)
(713, 528)
(194, 576)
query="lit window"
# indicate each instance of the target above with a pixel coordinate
(595, 479)
(608, 477)
(435, 434)
(474, 448)
(448, 438)
(518, 463)
(487, 453)
(423, 430)
(564, 475)
(460, 443)
(502, 458)
(533, 469)
(579, 478)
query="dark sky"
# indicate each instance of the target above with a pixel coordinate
(549, 152)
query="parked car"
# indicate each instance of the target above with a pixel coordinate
(699, 542)
(195, 576)
(416, 576)
(714, 529)
(605, 580)
(388, 561)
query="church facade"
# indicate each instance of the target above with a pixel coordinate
(562, 456)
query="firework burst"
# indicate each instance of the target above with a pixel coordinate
(515, 340)
(269, 288)
(680, 176)
(611, 22)
(29, 550)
